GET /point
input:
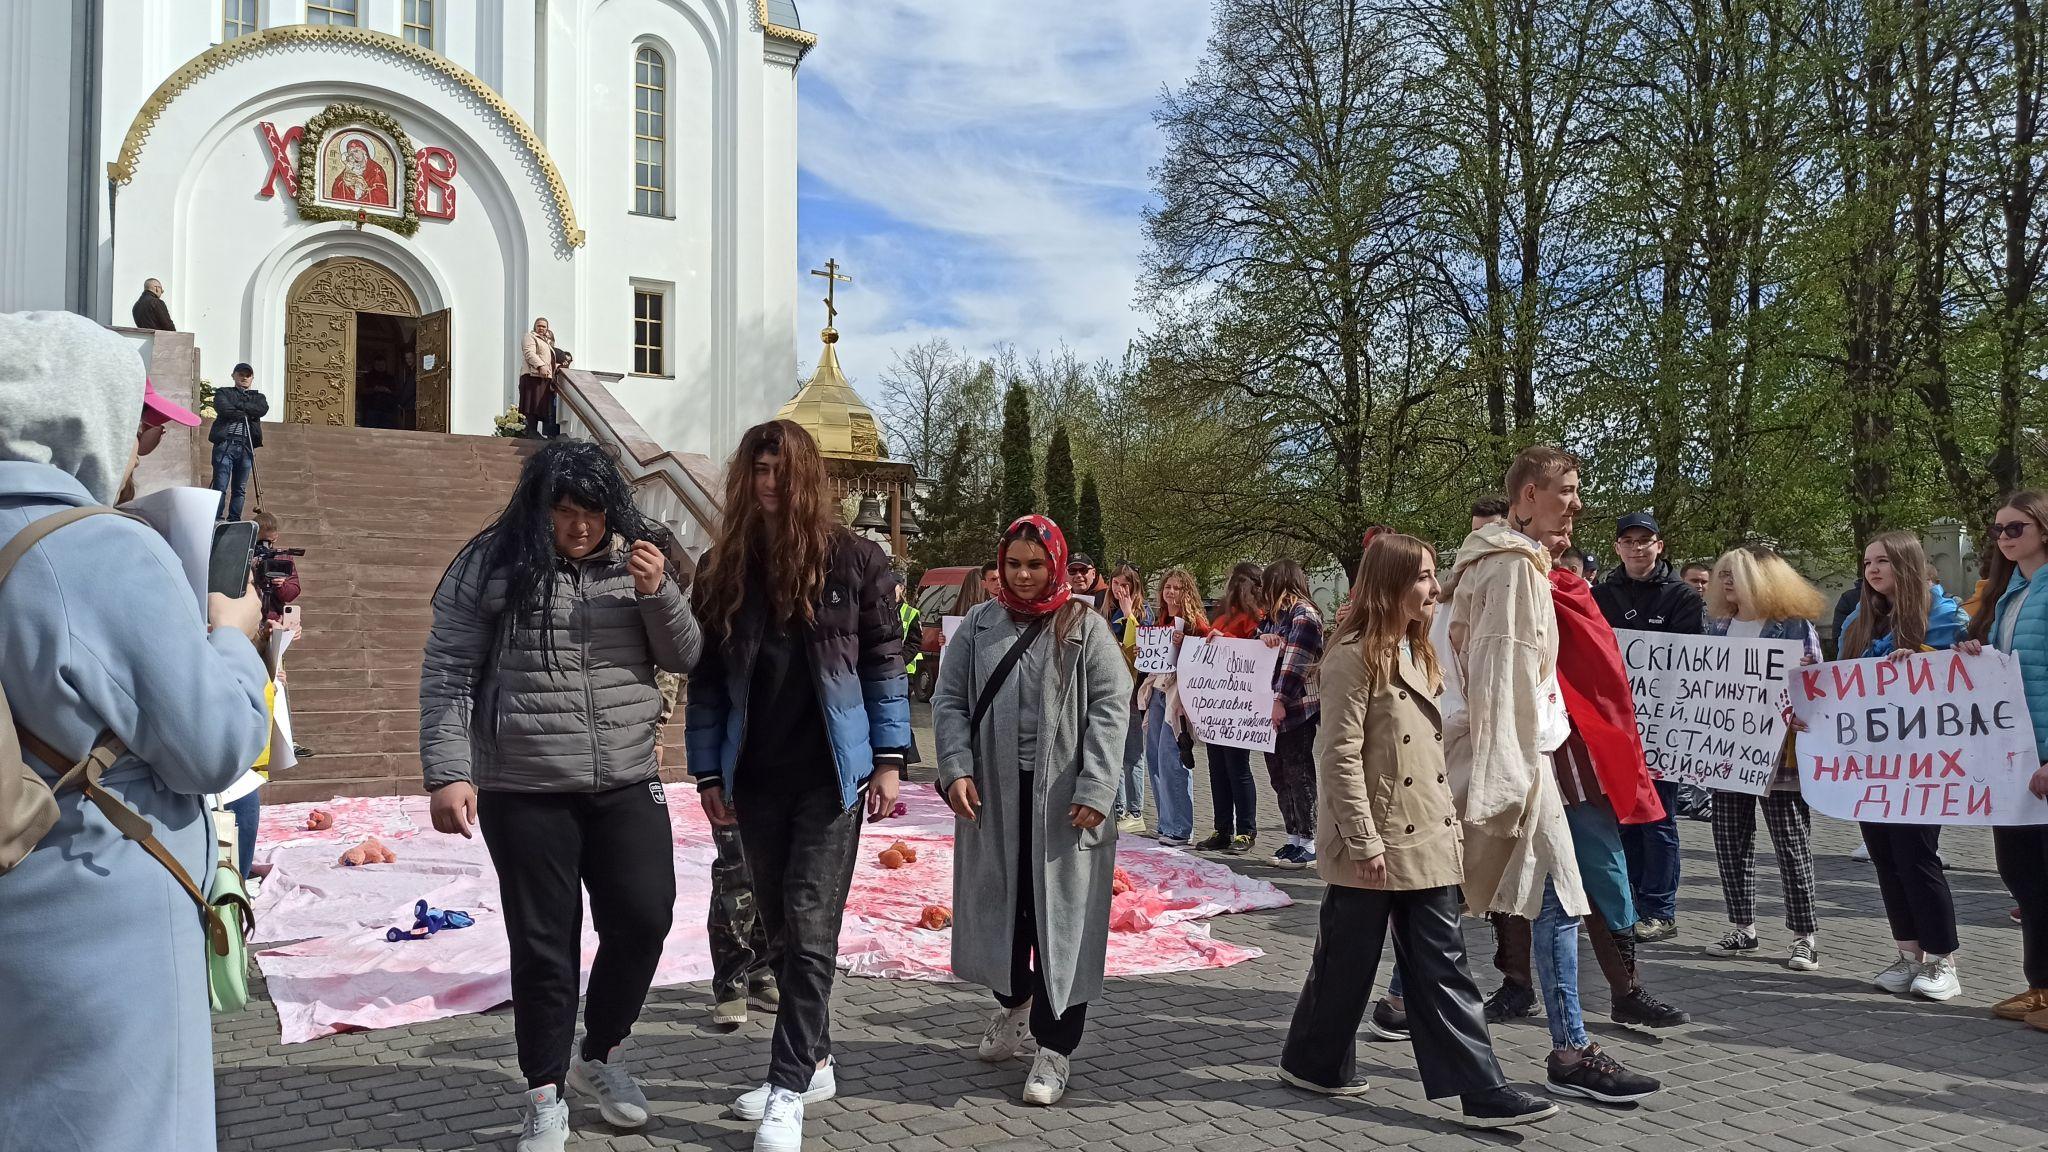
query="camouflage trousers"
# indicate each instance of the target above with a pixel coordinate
(739, 947)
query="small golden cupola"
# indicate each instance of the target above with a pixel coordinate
(827, 406)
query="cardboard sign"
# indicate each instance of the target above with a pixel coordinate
(1226, 689)
(1155, 648)
(1936, 738)
(1710, 708)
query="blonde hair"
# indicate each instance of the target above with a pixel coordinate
(1766, 584)
(1373, 616)
(1191, 608)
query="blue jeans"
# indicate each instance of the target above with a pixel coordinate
(1173, 774)
(1653, 859)
(1130, 783)
(233, 460)
(246, 811)
(1556, 953)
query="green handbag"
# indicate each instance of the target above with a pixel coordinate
(227, 973)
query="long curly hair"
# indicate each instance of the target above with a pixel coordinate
(519, 546)
(787, 551)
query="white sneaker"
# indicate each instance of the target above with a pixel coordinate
(824, 1086)
(1009, 1029)
(1048, 1079)
(782, 1124)
(1937, 979)
(1899, 977)
(1862, 852)
(619, 1100)
(546, 1127)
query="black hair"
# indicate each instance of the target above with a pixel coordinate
(519, 546)
(1488, 506)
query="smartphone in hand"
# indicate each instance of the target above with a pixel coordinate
(234, 546)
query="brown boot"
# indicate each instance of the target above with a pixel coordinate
(2021, 1006)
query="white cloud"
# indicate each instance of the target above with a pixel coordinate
(980, 166)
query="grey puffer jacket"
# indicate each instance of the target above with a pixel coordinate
(496, 712)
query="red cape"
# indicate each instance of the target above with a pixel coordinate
(1596, 694)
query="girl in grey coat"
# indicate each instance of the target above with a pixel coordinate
(1029, 775)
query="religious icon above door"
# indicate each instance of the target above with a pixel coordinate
(356, 164)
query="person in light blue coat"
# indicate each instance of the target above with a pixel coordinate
(105, 1036)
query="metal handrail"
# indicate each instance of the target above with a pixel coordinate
(675, 489)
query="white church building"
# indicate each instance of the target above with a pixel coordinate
(332, 189)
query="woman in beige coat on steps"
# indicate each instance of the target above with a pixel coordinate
(1389, 844)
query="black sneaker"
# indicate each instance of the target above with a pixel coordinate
(1646, 1011)
(1240, 845)
(1597, 1076)
(1735, 944)
(1216, 843)
(1511, 1001)
(1650, 930)
(1504, 1107)
(1357, 1087)
(1388, 1022)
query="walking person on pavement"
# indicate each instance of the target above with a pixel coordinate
(797, 725)
(237, 434)
(1391, 840)
(538, 715)
(1169, 743)
(1030, 717)
(1233, 794)
(1505, 717)
(1756, 595)
(1295, 627)
(1127, 614)
(1645, 595)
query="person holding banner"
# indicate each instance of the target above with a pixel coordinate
(1296, 628)
(1030, 715)
(1392, 837)
(2019, 625)
(1169, 745)
(1756, 595)
(1127, 614)
(1231, 790)
(1904, 611)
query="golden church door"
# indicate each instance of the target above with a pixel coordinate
(431, 359)
(325, 317)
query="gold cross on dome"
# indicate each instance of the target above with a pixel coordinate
(832, 281)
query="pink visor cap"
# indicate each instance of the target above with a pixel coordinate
(157, 410)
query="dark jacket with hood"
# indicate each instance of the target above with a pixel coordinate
(1660, 602)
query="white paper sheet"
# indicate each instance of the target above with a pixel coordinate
(184, 517)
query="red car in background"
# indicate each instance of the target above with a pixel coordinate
(937, 591)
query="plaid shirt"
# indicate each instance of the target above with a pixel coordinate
(1301, 628)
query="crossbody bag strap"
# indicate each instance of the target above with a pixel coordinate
(1002, 672)
(33, 533)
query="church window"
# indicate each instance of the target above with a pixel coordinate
(650, 133)
(650, 331)
(237, 18)
(341, 12)
(419, 22)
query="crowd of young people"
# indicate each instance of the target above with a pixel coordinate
(1469, 748)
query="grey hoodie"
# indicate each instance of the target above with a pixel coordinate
(70, 396)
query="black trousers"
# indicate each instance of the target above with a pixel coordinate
(1060, 1033)
(800, 847)
(739, 948)
(1915, 888)
(1447, 1022)
(2022, 855)
(549, 848)
(1231, 788)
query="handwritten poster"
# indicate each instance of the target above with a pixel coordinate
(1710, 709)
(1936, 738)
(1226, 689)
(1155, 649)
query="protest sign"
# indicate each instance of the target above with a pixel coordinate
(1710, 709)
(1226, 689)
(1155, 649)
(949, 625)
(1936, 738)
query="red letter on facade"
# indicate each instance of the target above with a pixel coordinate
(283, 151)
(437, 173)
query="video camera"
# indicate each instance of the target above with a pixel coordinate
(265, 559)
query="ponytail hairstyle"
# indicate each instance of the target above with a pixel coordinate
(2033, 504)
(1373, 615)
(1902, 615)
(785, 552)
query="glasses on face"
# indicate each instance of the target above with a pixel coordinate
(1636, 545)
(2010, 531)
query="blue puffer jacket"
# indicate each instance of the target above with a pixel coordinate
(856, 649)
(2030, 644)
(1945, 623)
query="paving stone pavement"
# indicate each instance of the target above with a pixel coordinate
(1775, 1061)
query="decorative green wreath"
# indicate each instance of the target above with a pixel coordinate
(341, 116)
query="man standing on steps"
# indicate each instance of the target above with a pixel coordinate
(150, 311)
(1646, 595)
(237, 432)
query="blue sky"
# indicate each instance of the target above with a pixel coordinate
(980, 168)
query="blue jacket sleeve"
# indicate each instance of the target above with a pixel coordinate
(884, 689)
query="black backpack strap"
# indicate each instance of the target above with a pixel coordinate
(1002, 672)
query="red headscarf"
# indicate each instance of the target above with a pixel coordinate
(1059, 591)
(1597, 696)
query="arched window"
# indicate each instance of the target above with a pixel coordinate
(650, 132)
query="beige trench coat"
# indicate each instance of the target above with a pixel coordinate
(1380, 778)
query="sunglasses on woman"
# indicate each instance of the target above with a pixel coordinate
(2010, 531)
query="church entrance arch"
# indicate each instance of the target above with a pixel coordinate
(358, 353)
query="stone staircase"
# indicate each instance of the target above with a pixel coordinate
(380, 514)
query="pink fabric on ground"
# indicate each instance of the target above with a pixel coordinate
(341, 974)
